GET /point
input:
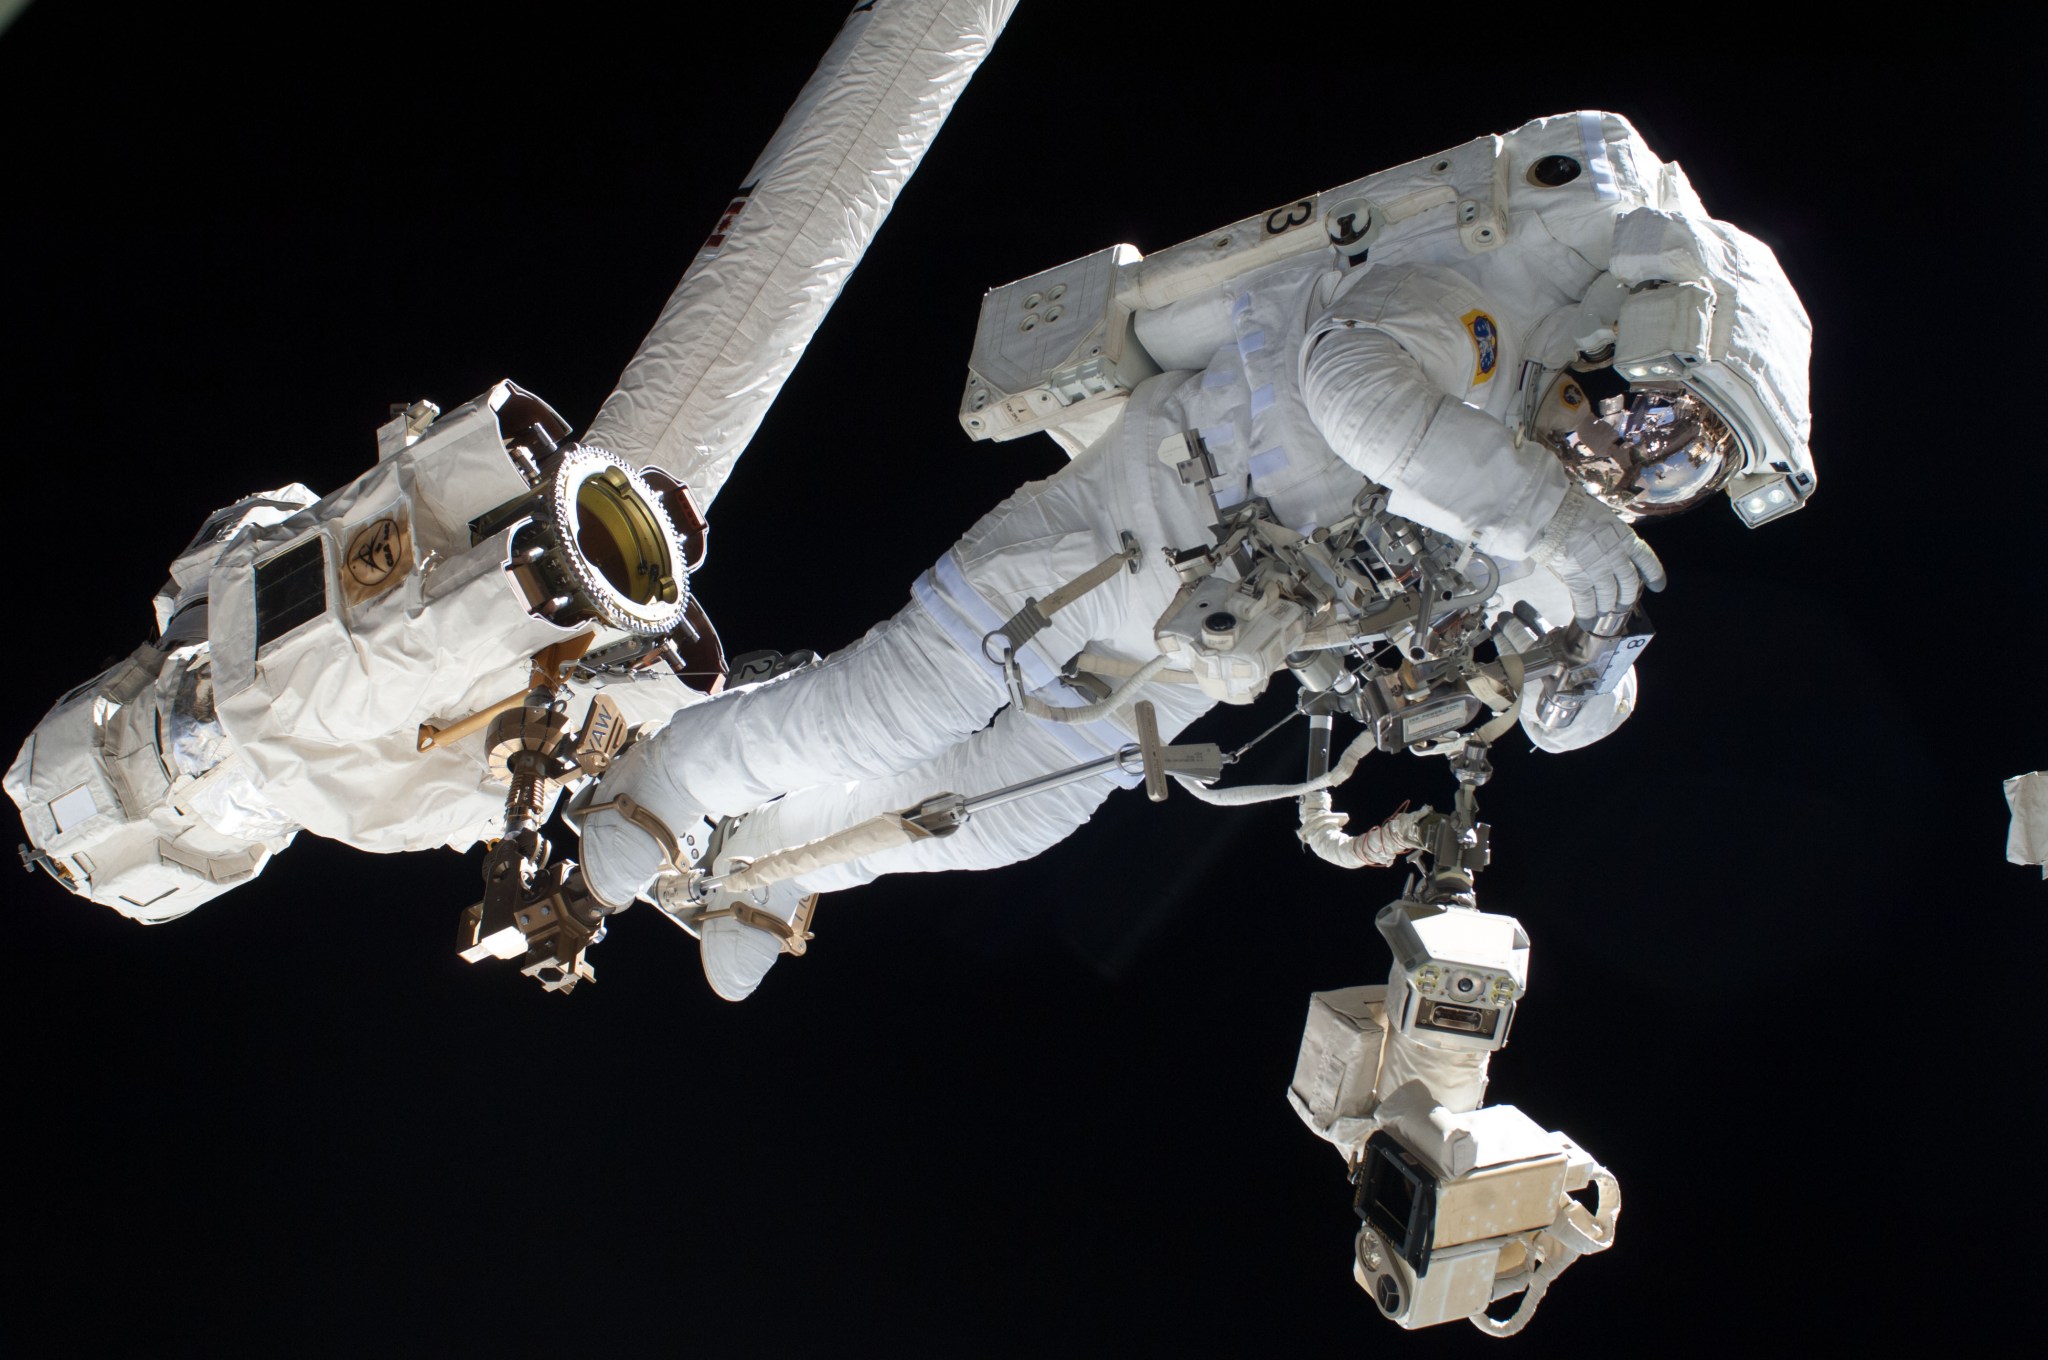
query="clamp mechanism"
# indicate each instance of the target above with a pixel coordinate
(537, 909)
(1457, 843)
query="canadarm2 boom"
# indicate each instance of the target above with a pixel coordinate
(730, 334)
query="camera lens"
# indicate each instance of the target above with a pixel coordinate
(1369, 1254)
(1388, 1294)
(1553, 171)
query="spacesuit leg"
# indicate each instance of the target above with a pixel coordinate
(916, 685)
(1011, 750)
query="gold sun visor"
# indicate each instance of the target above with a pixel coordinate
(1653, 449)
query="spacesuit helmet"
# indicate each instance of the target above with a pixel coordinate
(1688, 361)
(1646, 449)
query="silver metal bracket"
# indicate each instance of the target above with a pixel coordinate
(1196, 760)
(941, 815)
(1189, 457)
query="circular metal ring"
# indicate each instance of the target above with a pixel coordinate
(617, 543)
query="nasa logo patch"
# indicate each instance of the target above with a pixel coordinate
(1485, 345)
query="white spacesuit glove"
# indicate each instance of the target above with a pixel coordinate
(1597, 556)
(1599, 716)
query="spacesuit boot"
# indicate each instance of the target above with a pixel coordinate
(736, 957)
(634, 826)
(743, 933)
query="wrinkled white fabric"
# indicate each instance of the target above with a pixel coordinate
(905, 713)
(180, 777)
(121, 822)
(620, 859)
(326, 716)
(2026, 841)
(1392, 378)
(919, 685)
(192, 567)
(1313, 376)
(1454, 1078)
(736, 957)
(1012, 749)
(1336, 1072)
(1599, 716)
(732, 332)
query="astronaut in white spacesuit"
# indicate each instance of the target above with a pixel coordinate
(1492, 386)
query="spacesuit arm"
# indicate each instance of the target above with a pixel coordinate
(1388, 374)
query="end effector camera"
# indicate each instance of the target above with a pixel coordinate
(1461, 1205)
(1457, 975)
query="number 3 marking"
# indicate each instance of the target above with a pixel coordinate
(1289, 217)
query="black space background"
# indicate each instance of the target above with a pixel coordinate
(1784, 982)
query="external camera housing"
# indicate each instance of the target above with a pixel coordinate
(1457, 975)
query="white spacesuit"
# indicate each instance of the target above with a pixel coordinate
(1530, 342)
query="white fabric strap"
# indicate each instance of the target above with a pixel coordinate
(871, 837)
(1598, 168)
(1573, 1234)
(956, 606)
